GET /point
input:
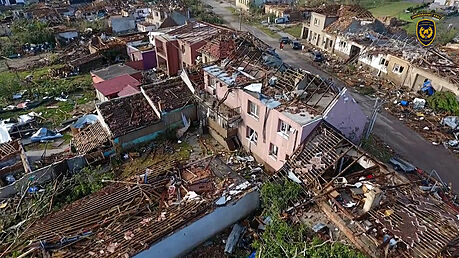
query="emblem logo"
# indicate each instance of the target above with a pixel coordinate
(425, 28)
(426, 31)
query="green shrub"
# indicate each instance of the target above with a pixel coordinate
(283, 239)
(444, 101)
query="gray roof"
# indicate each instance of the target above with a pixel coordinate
(113, 71)
(178, 18)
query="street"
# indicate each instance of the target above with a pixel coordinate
(405, 142)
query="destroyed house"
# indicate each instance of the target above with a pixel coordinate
(410, 65)
(253, 99)
(170, 99)
(330, 26)
(129, 119)
(177, 49)
(219, 47)
(382, 212)
(142, 116)
(353, 34)
(175, 208)
(13, 162)
(90, 138)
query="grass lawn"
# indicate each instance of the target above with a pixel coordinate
(395, 9)
(295, 30)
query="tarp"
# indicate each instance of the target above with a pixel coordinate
(451, 121)
(24, 119)
(254, 87)
(44, 134)
(85, 120)
(4, 135)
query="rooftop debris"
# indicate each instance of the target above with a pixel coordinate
(159, 201)
(125, 114)
(90, 138)
(379, 201)
(168, 94)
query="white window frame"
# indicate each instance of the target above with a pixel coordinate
(273, 151)
(316, 21)
(252, 109)
(251, 135)
(284, 128)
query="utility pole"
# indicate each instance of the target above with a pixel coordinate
(374, 114)
(240, 19)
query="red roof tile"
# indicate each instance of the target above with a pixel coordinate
(116, 85)
(128, 90)
(138, 65)
(220, 47)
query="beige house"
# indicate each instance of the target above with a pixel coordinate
(403, 73)
(313, 31)
(243, 4)
(347, 32)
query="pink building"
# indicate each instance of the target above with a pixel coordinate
(269, 108)
(177, 49)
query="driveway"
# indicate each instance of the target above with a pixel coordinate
(405, 142)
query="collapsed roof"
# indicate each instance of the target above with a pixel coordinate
(255, 68)
(168, 94)
(382, 204)
(90, 138)
(126, 114)
(219, 47)
(125, 219)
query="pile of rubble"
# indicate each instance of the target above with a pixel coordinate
(408, 106)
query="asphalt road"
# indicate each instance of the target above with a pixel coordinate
(405, 142)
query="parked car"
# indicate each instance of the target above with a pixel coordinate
(296, 45)
(281, 20)
(317, 56)
(285, 40)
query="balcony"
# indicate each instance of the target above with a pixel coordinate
(222, 119)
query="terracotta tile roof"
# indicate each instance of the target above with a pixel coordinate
(171, 93)
(127, 114)
(116, 85)
(91, 137)
(220, 47)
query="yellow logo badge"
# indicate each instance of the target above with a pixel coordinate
(425, 28)
(426, 31)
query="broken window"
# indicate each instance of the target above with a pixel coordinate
(212, 82)
(316, 21)
(252, 136)
(398, 68)
(284, 128)
(253, 109)
(273, 150)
